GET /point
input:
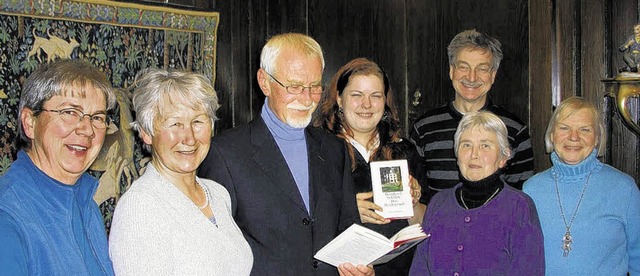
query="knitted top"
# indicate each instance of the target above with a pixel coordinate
(502, 237)
(606, 229)
(157, 230)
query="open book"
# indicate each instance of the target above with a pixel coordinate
(360, 245)
(391, 191)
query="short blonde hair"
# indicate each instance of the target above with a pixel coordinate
(567, 108)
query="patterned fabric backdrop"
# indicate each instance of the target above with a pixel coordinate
(120, 39)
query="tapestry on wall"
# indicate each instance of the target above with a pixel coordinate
(119, 38)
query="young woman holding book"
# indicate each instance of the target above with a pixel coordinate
(359, 108)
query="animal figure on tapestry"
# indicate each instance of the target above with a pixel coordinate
(53, 47)
(116, 156)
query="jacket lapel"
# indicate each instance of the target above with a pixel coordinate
(272, 163)
(317, 172)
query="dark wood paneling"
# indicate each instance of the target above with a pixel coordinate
(624, 145)
(374, 29)
(541, 38)
(575, 41)
(229, 61)
(427, 62)
(430, 27)
(586, 36)
(565, 33)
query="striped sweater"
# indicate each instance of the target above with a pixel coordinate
(433, 136)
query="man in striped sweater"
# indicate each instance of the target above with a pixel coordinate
(474, 59)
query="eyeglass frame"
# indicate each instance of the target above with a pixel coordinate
(468, 69)
(286, 87)
(107, 120)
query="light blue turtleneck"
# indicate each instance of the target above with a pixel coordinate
(606, 227)
(293, 146)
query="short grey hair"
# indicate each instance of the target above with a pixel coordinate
(472, 39)
(156, 90)
(61, 77)
(486, 121)
(301, 42)
(567, 108)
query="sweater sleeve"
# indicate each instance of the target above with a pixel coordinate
(13, 252)
(632, 230)
(138, 238)
(527, 243)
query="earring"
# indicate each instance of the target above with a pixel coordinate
(385, 116)
(340, 110)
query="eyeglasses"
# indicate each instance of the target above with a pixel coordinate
(74, 116)
(297, 89)
(479, 70)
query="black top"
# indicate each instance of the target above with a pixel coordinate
(477, 193)
(362, 179)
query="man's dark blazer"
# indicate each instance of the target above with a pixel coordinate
(266, 202)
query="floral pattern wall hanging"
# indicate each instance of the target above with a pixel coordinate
(119, 38)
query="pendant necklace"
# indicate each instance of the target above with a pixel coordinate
(567, 239)
(485, 202)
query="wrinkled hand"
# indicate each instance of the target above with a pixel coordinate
(348, 269)
(367, 209)
(416, 190)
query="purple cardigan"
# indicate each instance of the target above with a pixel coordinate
(502, 237)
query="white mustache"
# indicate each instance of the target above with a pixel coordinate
(298, 106)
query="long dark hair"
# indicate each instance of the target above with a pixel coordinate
(329, 116)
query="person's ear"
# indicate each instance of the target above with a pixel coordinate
(505, 158)
(146, 138)
(451, 70)
(263, 82)
(339, 101)
(28, 119)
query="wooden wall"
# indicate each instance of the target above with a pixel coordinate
(408, 38)
(553, 49)
(573, 48)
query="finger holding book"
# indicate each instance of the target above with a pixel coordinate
(348, 269)
(367, 209)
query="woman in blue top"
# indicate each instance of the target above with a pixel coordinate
(49, 223)
(589, 211)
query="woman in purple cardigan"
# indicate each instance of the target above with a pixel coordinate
(481, 226)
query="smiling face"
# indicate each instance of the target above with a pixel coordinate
(294, 68)
(479, 154)
(574, 136)
(181, 140)
(62, 150)
(363, 102)
(472, 76)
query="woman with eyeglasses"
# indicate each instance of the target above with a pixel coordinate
(49, 223)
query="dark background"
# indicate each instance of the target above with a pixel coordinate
(552, 50)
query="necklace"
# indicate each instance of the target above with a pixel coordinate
(567, 239)
(206, 196)
(485, 202)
